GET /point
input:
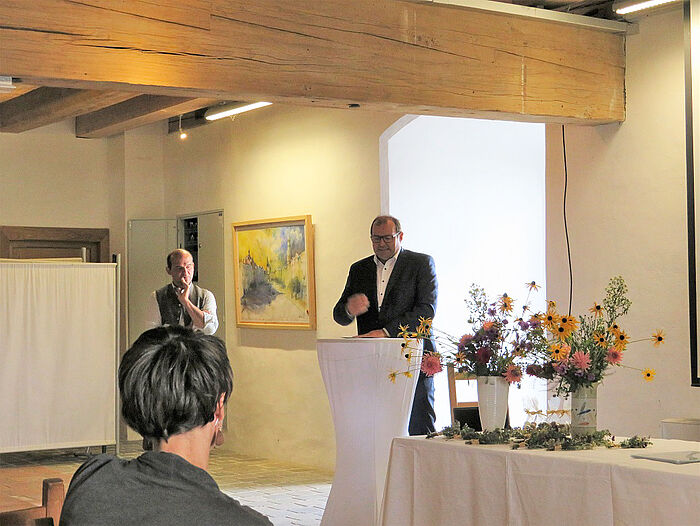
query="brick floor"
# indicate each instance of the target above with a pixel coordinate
(289, 495)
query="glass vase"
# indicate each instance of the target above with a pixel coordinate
(584, 410)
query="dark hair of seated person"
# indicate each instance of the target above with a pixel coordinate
(173, 385)
(171, 380)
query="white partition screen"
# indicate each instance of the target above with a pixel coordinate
(58, 355)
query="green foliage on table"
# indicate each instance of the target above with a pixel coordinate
(636, 442)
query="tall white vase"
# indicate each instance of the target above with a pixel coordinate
(492, 392)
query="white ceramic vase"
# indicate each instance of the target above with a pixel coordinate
(492, 392)
(584, 410)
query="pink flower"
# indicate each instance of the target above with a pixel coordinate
(431, 364)
(483, 355)
(614, 356)
(580, 360)
(513, 374)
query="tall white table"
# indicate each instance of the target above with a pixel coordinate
(438, 481)
(368, 411)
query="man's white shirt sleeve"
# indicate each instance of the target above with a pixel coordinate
(211, 322)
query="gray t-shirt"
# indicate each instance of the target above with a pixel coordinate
(154, 489)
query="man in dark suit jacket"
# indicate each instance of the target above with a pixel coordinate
(394, 287)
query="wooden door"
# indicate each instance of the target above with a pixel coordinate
(23, 242)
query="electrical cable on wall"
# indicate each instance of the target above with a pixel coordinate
(566, 226)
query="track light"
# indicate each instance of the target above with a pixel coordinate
(624, 7)
(228, 110)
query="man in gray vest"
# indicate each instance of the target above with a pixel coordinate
(182, 302)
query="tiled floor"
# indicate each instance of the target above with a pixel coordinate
(289, 495)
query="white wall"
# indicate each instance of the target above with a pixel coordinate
(627, 215)
(275, 162)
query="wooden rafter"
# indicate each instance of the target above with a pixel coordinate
(133, 113)
(44, 106)
(394, 55)
(18, 90)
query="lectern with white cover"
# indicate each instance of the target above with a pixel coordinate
(368, 411)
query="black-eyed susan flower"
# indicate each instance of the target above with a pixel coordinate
(597, 310)
(601, 340)
(658, 337)
(392, 376)
(649, 374)
(505, 303)
(621, 340)
(532, 286)
(424, 325)
(559, 351)
(550, 319)
(567, 325)
(614, 328)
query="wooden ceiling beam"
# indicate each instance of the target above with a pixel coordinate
(20, 89)
(133, 113)
(391, 55)
(44, 106)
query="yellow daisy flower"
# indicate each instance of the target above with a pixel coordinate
(567, 325)
(392, 376)
(505, 303)
(550, 319)
(614, 328)
(408, 374)
(596, 310)
(601, 340)
(649, 374)
(621, 340)
(532, 286)
(424, 324)
(559, 351)
(658, 337)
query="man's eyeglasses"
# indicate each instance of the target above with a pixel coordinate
(387, 239)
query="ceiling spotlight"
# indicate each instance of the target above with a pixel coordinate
(228, 110)
(624, 7)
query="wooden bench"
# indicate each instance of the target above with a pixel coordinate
(52, 495)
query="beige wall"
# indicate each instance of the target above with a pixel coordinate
(276, 162)
(626, 207)
(627, 216)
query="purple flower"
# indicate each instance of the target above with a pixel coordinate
(523, 325)
(591, 377)
(491, 312)
(561, 368)
(534, 323)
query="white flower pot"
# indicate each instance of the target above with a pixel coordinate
(492, 392)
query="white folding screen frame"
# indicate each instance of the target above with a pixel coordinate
(59, 347)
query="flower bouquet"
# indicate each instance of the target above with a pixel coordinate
(581, 352)
(501, 342)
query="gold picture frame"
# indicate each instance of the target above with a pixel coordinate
(273, 262)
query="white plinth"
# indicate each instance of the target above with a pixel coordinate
(368, 411)
(681, 428)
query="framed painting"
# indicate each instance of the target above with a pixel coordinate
(274, 273)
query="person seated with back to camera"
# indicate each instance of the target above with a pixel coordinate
(173, 384)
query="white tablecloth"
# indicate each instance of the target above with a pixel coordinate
(441, 482)
(368, 411)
